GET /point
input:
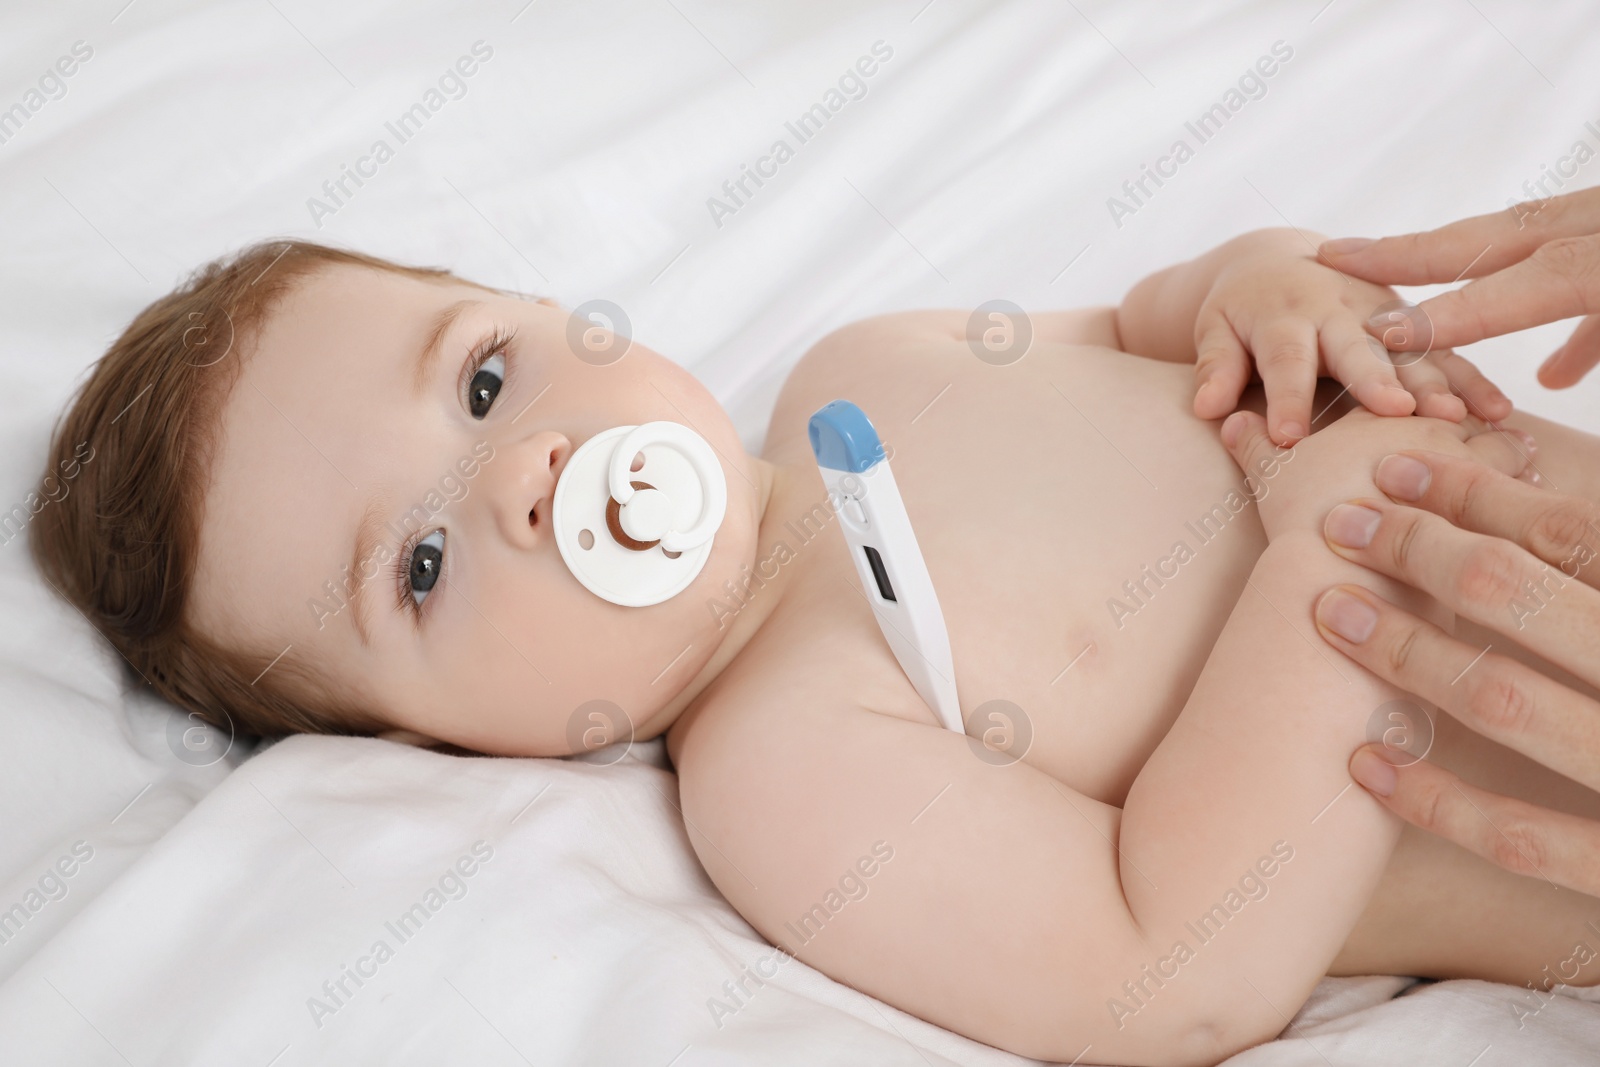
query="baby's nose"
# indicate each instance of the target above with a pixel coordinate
(525, 489)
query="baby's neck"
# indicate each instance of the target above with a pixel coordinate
(771, 505)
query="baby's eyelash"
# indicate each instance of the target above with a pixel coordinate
(400, 572)
(481, 353)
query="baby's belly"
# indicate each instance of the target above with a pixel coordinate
(1087, 536)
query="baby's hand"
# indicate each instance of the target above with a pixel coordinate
(1302, 319)
(1296, 487)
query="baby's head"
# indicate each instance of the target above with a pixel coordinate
(317, 498)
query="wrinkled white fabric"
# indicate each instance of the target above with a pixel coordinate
(586, 159)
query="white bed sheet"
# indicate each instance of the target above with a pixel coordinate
(579, 163)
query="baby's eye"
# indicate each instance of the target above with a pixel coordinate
(486, 384)
(427, 560)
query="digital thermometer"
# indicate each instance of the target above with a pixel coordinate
(877, 529)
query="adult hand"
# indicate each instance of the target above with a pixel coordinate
(1532, 263)
(1518, 560)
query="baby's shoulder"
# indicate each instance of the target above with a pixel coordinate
(864, 359)
(893, 333)
(995, 329)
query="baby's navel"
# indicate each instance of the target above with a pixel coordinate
(1082, 655)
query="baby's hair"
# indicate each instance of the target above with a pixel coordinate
(132, 454)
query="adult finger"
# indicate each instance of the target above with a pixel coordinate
(1522, 838)
(1560, 529)
(1497, 696)
(1493, 582)
(1363, 366)
(1286, 358)
(1469, 248)
(1568, 364)
(1559, 280)
(1222, 368)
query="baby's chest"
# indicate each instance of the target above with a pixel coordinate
(1083, 547)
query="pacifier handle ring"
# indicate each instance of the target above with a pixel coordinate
(700, 457)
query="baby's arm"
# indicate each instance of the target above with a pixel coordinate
(1256, 761)
(1242, 840)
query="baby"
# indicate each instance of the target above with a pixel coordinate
(318, 498)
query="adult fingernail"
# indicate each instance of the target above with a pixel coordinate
(1350, 617)
(1373, 771)
(1292, 430)
(1351, 525)
(1403, 477)
(1343, 246)
(1395, 328)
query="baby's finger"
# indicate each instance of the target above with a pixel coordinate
(1500, 450)
(1244, 435)
(1354, 358)
(1479, 394)
(1221, 369)
(1286, 357)
(1426, 381)
(1505, 448)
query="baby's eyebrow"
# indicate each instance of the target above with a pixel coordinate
(367, 534)
(435, 342)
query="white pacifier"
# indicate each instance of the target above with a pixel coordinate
(637, 533)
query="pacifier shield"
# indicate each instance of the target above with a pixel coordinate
(679, 488)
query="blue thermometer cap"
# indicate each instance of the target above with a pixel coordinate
(842, 438)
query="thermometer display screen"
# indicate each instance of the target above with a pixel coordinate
(875, 561)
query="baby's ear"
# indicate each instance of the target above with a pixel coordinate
(408, 737)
